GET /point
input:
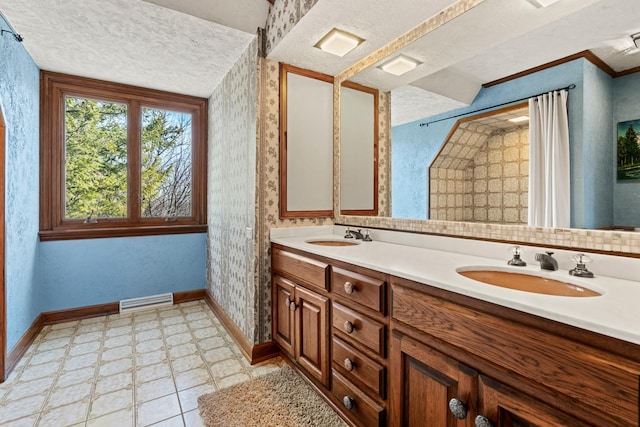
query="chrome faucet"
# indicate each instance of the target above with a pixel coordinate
(357, 234)
(547, 261)
(350, 234)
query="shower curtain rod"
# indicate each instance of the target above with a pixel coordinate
(11, 31)
(571, 86)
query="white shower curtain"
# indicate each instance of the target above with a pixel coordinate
(549, 186)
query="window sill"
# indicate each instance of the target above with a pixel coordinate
(99, 233)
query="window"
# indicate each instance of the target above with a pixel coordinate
(119, 160)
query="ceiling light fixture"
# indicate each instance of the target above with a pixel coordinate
(542, 3)
(400, 65)
(338, 42)
(636, 39)
(519, 119)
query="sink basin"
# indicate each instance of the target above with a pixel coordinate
(332, 242)
(528, 283)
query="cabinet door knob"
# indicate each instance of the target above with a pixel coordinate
(348, 402)
(348, 364)
(292, 306)
(287, 302)
(482, 421)
(458, 408)
(349, 288)
(348, 327)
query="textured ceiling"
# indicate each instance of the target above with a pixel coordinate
(243, 15)
(127, 41)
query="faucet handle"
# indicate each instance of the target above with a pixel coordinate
(347, 234)
(581, 269)
(516, 261)
(367, 237)
(581, 259)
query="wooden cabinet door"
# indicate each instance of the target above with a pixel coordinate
(424, 381)
(312, 333)
(503, 406)
(283, 316)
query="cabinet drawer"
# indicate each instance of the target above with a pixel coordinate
(587, 375)
(356, 365)
(356, 403)
(359, 288)
(307, 270)
(359, 327)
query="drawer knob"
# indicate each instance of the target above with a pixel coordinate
(292, 305)
(349, 365)
(483, 421)
(458, 408)
(348, 327)
(349, 288)
(349, 402)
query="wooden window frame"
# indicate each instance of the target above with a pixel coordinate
(53, 226)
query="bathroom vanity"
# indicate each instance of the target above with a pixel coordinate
(392, 334)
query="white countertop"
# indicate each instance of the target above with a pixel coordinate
(615, 313)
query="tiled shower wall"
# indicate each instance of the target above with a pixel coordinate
(492, 189)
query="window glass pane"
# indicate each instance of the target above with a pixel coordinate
(95, 158)
(166, 163)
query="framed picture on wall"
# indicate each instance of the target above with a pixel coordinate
(628, 160)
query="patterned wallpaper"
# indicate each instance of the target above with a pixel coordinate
(384, 153)
(268, 190)
(283, 16)
(232, 190)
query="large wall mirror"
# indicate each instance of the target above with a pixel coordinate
(486, 63)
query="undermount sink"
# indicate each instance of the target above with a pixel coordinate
(332, 242)
(528, 283)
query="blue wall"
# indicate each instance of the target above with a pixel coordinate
(73, 273)
(590, 109)
(626, 92)
(19, 99)
(597, 155)
(77, 273)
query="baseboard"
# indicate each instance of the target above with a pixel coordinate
(253, 353)
(198, 294)
(15, 354)
(73, 314)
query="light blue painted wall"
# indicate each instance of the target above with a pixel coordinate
(77, 273)
(66, 274)
(413, 148)
(598, 157)
(626, 195)
(19, 99)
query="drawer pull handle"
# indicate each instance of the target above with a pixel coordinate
(348, 327)
(349, 365)
(458, 408)
(349, 402)
(349, 288)
(483, 421)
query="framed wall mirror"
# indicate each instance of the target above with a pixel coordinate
(358, 150)
(306, 143)
(497, 53)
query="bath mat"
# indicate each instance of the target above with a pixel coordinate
(280, 398)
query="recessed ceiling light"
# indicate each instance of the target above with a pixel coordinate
(542, 3)
(400, 65)
(338, 42)
(519, 119)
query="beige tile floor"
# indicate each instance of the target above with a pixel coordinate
(139, 369)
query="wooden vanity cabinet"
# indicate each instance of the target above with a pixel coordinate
(508, 368)
(330, 319)
(301, 312)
